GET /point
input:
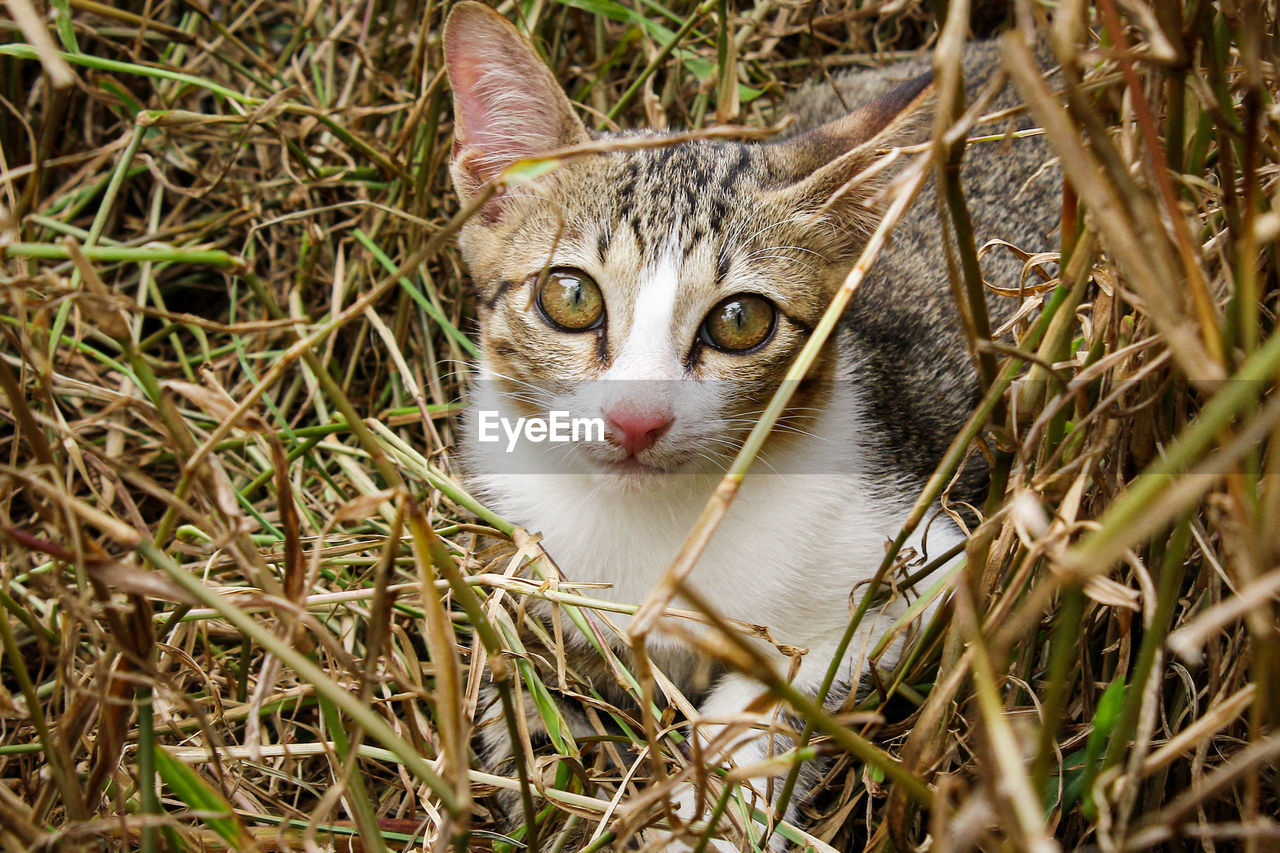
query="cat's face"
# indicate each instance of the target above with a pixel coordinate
(663, 290)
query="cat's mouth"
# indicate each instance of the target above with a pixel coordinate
(649, 463)
(631, 474)
(632, 465)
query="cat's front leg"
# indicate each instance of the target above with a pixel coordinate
(740, 727)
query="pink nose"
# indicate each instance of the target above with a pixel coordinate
(636, 431)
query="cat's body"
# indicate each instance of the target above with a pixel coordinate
(608, 288)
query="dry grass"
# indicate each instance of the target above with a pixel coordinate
(245, 596)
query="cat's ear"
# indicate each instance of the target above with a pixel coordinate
(506, 104)
(821, 167)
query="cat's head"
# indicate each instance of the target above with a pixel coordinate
(662, 289)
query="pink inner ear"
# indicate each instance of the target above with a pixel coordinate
(504, 112)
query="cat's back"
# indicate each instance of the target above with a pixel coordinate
(901, 342)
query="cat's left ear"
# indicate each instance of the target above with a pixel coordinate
(507, 106)
(821, 166)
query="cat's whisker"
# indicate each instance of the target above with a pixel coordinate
(782, 421)
(788, 428)
(804, 217)
(787, 258)
(792, 248)
(760, 254)
(489, 372)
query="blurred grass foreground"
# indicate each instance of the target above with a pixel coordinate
(247, 603)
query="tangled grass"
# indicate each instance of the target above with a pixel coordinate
(248, 605)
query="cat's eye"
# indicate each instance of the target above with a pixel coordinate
(570, 300)
(741, 322)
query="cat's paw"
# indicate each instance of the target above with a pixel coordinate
(656, 840)
(692, 827)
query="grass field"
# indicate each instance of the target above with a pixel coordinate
(248, 603)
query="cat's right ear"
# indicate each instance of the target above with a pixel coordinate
(506, 104)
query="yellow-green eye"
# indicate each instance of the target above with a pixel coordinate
(739, 323)
(570, 300)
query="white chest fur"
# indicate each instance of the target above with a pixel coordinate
(787, 555)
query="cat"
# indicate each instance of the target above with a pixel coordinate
(661, 292)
